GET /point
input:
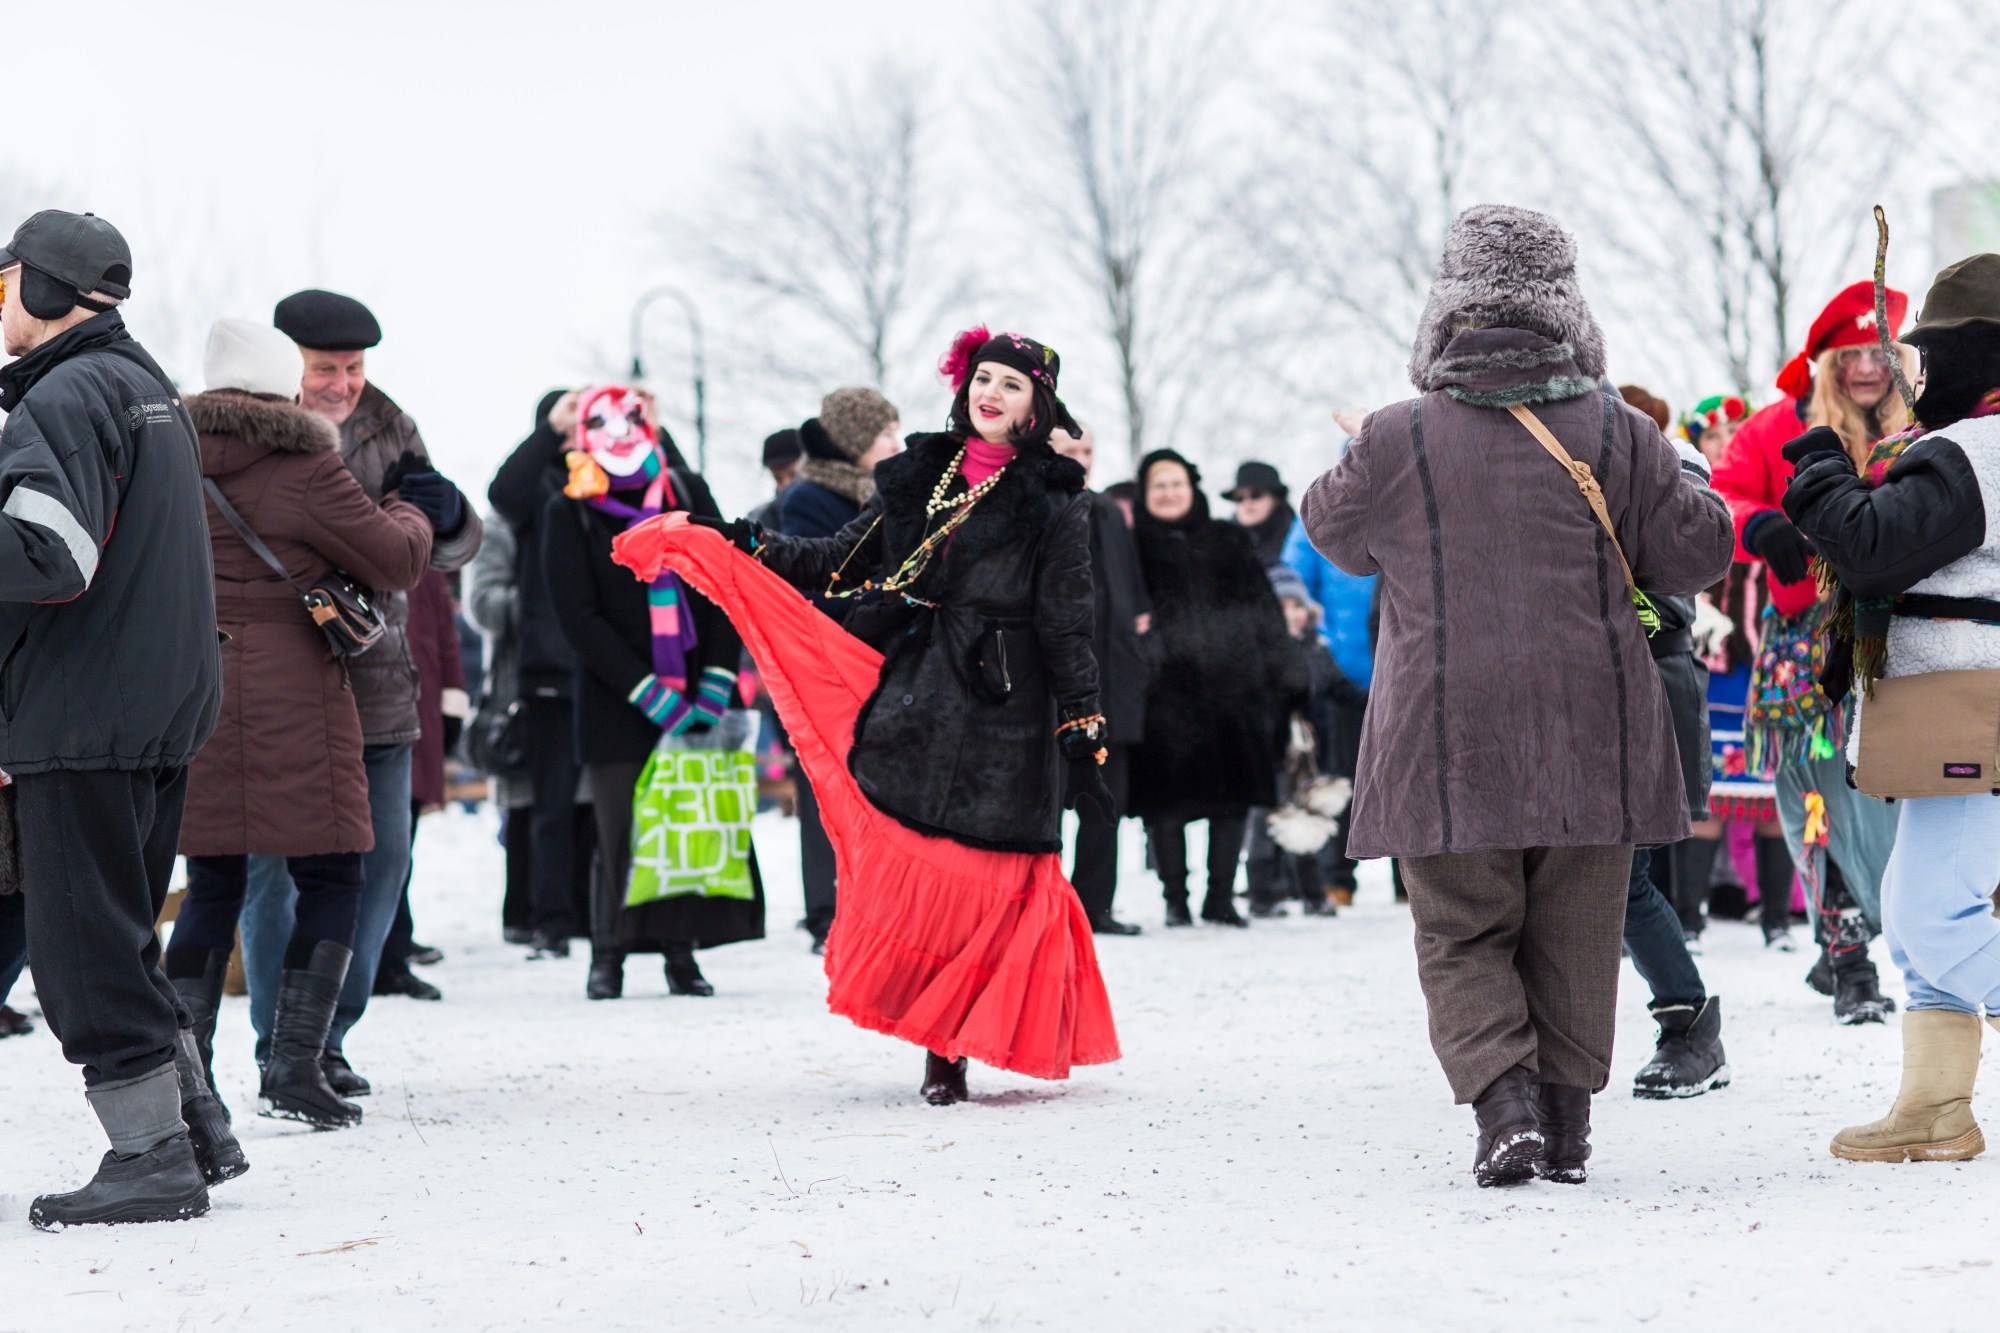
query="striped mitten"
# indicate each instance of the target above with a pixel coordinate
(667, 706)
(712, 699)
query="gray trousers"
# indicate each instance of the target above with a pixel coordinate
(1518, 955)
(1861, 832)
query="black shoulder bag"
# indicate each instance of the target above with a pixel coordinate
(343, 609)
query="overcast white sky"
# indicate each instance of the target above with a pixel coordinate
(481, 174)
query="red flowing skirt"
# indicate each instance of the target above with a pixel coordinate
(961, 951)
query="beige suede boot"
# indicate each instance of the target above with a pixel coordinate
(1932, 1118)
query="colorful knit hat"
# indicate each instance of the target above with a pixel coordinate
(1712, 411)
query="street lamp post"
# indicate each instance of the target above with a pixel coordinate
(686, 303)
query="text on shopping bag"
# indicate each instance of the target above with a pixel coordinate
(691, 826)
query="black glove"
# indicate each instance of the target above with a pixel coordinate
(1080, 747)
(1781, 546)
(744, 535)
(1818, 440)
(422, 485)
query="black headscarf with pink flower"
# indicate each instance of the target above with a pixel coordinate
(1037, 361)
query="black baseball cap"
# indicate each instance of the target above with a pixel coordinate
(80, 250)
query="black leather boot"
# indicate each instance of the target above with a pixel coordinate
(202, 994)
(295, 1086)
(1565, 1116)
(1688, 1059)
(216, 1150)
(944, 1080)
(607, 975)
(1177, 908)
(1219, 907)
(1510, 1131)
(684, 973)
(340, 1076)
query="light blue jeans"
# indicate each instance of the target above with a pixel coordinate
(267, 904)
(1937, 902)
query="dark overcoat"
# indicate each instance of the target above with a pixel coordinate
(946, 745)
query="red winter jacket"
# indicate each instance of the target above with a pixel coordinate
(1752, 477)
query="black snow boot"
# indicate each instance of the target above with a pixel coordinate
(607, 975)
(1857, 992)
(1177, 908)
(295, 1086)
(1820, 975)
(684, 973)
(216, 1150)
(1565, 1116)
(149, 1175)
(1688, 1059)
(1510, 1132)
(1219, 907)
(944, 1080)
(340, 1076)
(202, 994)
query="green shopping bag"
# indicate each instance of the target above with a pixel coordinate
(691, 816)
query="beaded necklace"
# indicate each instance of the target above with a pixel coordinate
(919, 560)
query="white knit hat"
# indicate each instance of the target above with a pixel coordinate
(251, 358)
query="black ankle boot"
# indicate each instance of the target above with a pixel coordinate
(1564, 1113)
(202, 994)
(1688, 1059)
(295, 1086)
(1219, 907)
(340, 1076)
(1510, 1132)
(944, 1080)
(216, 1150)
(684, 974)
(607, 975)
(1177, 908)
(162, 1184)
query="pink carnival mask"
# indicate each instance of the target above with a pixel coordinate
(614, 425)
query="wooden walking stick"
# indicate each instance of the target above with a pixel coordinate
(1882, 334)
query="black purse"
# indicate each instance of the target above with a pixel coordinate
(496, 740)
(344, 610)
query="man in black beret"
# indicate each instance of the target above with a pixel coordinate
(382, 448)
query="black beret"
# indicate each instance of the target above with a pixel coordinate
(326, 321)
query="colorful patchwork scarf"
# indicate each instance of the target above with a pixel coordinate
(666, 599)
(1787, 716)
(1862, 623)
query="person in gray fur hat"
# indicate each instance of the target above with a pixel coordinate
(1518, 745)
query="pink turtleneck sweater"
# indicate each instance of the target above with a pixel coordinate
(982, 460)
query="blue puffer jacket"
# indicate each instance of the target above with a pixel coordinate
(1347, 601)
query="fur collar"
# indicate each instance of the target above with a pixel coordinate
(1015, 508)
(847, 480)
(281, 427)
(1502, 367)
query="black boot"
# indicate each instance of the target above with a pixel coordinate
(216, 1150)
(1220, 907)
(1177, 908)
(400, 980)
(1820, 975)
(684, 974)
(1688, 1059)
(202, 994)
(944, 1080)
(1111, 925)
(149, 1175)
(14, 1023)
(1510, 1132)
(1857, 992)
(1565, 1116)
(340, 1076)
(295, 1086)
(607, 975)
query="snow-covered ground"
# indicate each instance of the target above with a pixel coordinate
(1277, 1150)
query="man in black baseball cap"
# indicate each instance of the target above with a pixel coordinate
(112, 685)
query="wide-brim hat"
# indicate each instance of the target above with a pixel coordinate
(1962, 295)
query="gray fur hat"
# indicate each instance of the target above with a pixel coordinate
(1511, 268)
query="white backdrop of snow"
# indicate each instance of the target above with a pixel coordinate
(1276, 1150)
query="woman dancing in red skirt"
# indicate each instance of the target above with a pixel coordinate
(935, 724)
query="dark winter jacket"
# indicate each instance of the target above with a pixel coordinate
(604, 613)
(827, 497)
(108, 649)
(1228, 676)
(372, 439)
(1515, 702)
(1125, 658)
(282, 775)
(944, 746)
(520, 493)
(441, 678)
(1331, 694)
(1268, 537)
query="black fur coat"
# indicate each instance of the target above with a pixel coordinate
(958, 740)
(1227, 676)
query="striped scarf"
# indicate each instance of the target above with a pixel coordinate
(666, 599)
